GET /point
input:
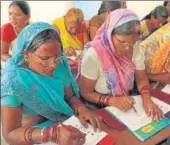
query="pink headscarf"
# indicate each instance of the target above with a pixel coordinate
(119, 71)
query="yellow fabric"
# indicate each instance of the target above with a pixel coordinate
(169, 19)
(67, 39)
(157, 50)
(144, 29)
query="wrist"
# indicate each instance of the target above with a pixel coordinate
(112, 101)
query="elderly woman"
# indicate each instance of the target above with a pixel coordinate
(72, 31)
(156, 50)
(19, 15)
(153, 20)
(105, 9)
(38, 91)
(109, 65)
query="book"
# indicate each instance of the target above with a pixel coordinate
(139, 123)
(166, 89)
(92, 138)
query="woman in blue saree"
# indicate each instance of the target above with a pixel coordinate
(38, 91)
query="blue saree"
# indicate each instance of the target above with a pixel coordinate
(42, 94)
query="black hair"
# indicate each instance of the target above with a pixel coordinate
(42, 37)
(165, 3)
(112, 5)
(127, 28)
(159, 11)
(23, 5)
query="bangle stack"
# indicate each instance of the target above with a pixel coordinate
(45, 134)
(104, 100)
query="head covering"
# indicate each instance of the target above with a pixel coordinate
(75, 14)
(119, 71)
(43, 94)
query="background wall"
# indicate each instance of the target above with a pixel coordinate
(141, 8)
(48, 10)
(40, 10)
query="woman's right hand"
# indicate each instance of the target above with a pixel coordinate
(71, 52)
(123, 103)
(70, 136)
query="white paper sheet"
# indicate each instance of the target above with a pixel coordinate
(92, 138)
(137, 120)
(166, 89)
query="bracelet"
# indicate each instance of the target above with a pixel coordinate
(46, 133)
(42, 133)
(30, 134)
(25, 138)
(76, 108)
(57, 133)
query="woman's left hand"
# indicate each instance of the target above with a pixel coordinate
(152, 110)
(86, 116)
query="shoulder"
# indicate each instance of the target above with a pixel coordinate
(57, 20)
(91, 54)
(7, 27)
(94, 21)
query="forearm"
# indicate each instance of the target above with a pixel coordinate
(161, 77)
(92, 97)
(142, 83)
(76, 103)
(17, 137)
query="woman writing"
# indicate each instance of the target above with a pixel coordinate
(109, 65)
(38, 91)
(72, 31)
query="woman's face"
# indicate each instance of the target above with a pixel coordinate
(17, 18)
(45, 58)
(72, 27)
(159, 21)
(124, 43)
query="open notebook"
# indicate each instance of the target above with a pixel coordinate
(138, 123)
(92, 138)
(166, 89)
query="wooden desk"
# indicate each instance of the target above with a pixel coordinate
(125, 137)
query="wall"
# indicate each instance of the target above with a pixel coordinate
(40, 10)
(48, 10)
(141, 8)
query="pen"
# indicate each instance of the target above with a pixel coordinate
(132, 106)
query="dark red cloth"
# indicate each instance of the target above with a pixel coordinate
(7, 33)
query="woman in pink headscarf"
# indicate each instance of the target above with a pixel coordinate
(109, 64)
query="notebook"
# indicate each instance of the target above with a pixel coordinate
(92, 138)
(138, 123)
(166, 89)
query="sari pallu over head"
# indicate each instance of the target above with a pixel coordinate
(119, 71)
(157, 50)
(43, 94)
